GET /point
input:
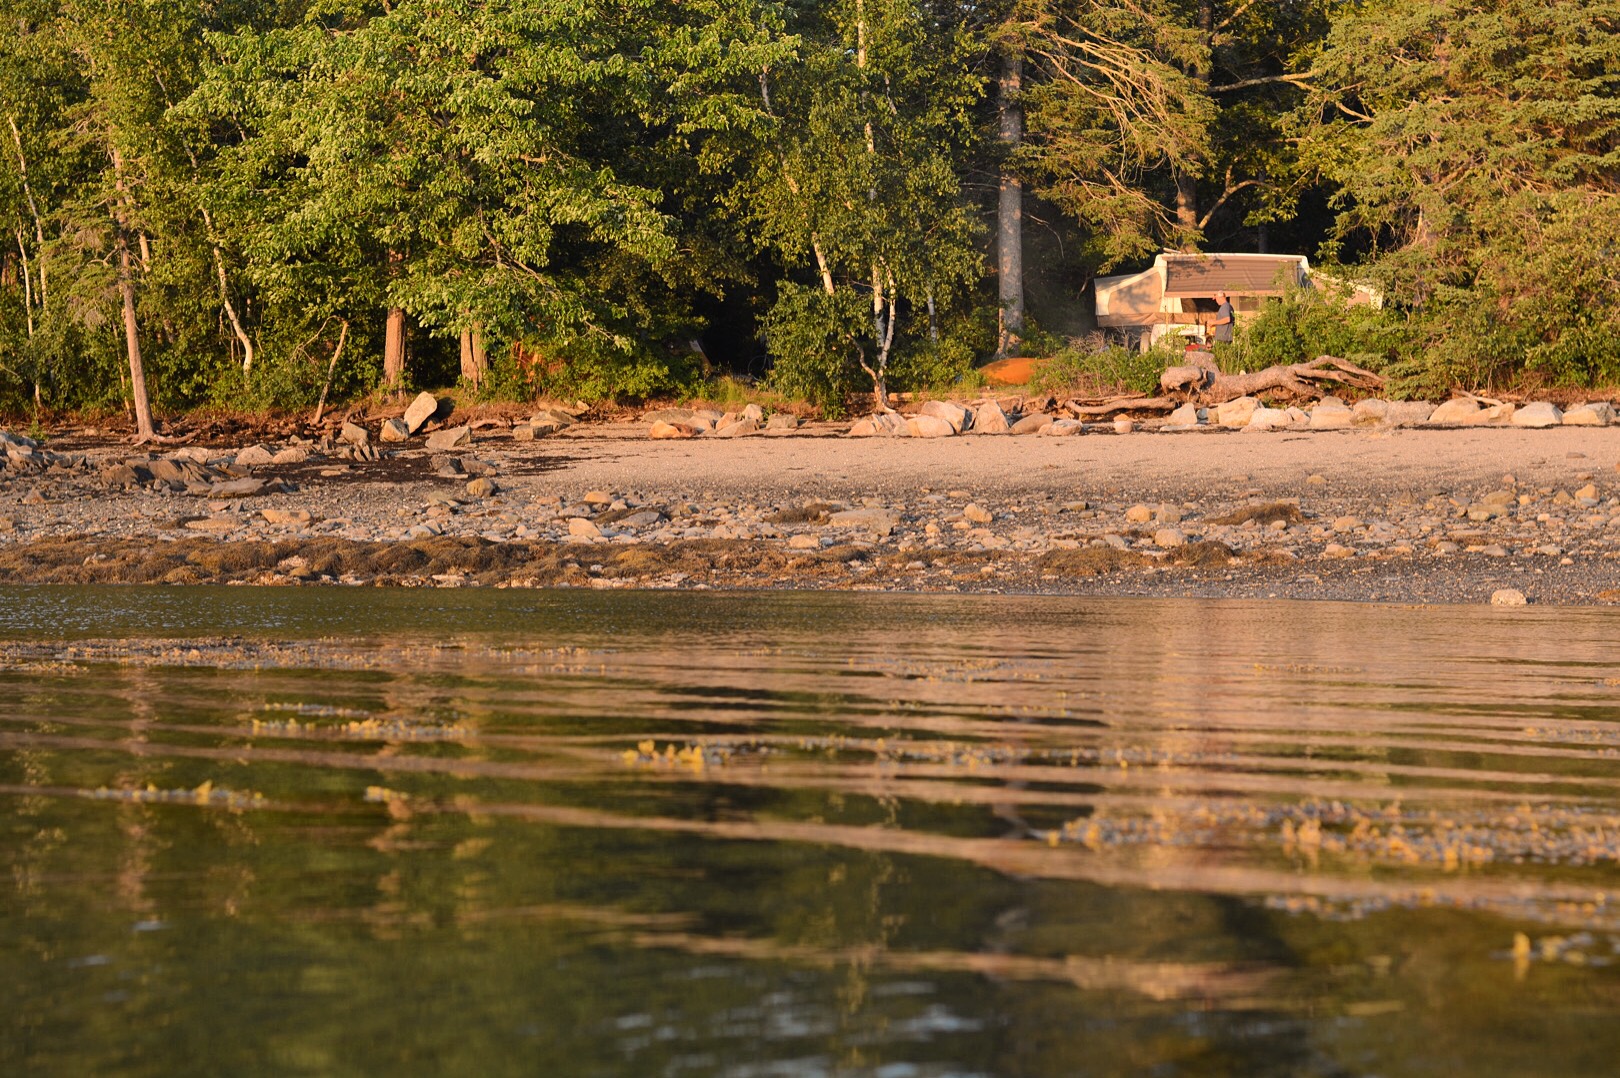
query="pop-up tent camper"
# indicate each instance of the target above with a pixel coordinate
(1177, 295)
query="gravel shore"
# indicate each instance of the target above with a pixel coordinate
(1422, 515)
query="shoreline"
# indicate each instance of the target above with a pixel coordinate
(1397, 515)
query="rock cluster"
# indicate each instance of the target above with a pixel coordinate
(943, 419)
(676, 423)
(20, 455)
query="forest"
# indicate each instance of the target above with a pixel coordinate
(258, 204)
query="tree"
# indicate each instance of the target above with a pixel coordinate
(1146, 118)
(1476, 144)
(856, 180)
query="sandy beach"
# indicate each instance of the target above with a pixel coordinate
(1394, 514)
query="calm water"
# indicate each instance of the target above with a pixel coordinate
(330, 832)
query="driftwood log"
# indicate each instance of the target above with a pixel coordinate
(1201, 382)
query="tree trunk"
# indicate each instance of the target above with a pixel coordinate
(33, 209)
(480, 355)
(1300, 381)
(394, 348)
(1187, 209)
(331, 369)
(132, 343)
(1010, 209)
(1186, 183)
(474, 363)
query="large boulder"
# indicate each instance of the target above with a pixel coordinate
(1461, 411)
(449, 438)
(393, 430)
(1033, 423)
(951, 412)
(990, 419)
(1268, 419)
(551, 417)
(1595, 414)
(663, 431)
(1408, 413)
(1062, 428)
(422, 409)
(1183, 418)
(781, 423)
(930, 426)
(1538, 414)
(1236, 413)
(353, 434)
(1330, 415)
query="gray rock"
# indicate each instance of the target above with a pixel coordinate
(286, 516)
(668, 415)
(1537, 414)
(1508, 597)
(1327, 416)
(1183, 418)
(990, 419)
(1062, 428)
(353, 434)
(1370, 413)
(1262, 419)
(482, 487)
(254, 456)
(392, 430)
(1033, 423)
(930, 426)
(662, 430)
(1595, 414)
(422, 409)
(1408, 413)
(449, 438)
(551, 417)
(951, 412)
(741, 428)
(237, 488)
(977, 513)
(583, 528)
(753, 413)
(782, 421)
(1169, 537)
(1236, 413)
(1458, 410)
(293, 454)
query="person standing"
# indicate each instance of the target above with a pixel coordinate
(1225, 319)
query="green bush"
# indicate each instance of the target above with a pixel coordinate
(812, 340)
(1090, 366)
(941, 365)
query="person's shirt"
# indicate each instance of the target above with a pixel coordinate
(1224, 318)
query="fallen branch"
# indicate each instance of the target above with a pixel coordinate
(1302, 380)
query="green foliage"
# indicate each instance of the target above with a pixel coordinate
(1090, 366)
(580, 181)
(942, 365)
(1474, 145)
(1304, 324)
(813, 337)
